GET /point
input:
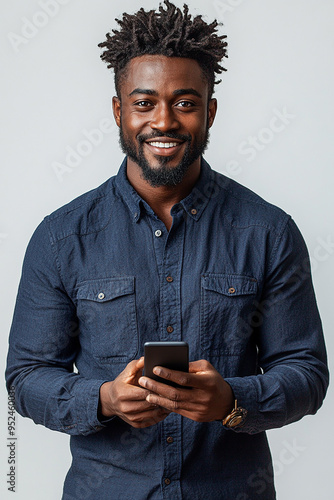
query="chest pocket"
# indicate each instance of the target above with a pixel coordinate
(227, 303)
(106, 310)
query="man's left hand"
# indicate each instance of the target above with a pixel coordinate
(205, 396)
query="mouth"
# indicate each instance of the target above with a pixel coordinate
(164, 146)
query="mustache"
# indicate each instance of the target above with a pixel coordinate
(171, 135)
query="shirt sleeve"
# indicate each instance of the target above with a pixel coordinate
(43, 345)
(291, 349)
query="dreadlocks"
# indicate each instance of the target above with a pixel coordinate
(168, 32)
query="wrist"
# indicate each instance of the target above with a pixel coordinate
(105, 409)
(236, 417)
(229, 399)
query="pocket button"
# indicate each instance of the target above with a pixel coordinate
(231, 290)
(101, 296)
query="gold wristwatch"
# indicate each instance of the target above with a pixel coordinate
(236, 418)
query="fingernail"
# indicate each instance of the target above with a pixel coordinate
(142, 381)
(157, 371)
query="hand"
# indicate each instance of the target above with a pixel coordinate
(205, 396)
(124, 398)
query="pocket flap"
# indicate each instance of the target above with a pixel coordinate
(105, 289)
(229, 284)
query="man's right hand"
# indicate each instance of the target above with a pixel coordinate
(123, 397)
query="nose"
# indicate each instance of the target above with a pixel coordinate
(164, 118)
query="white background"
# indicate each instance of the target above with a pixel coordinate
(54, 87)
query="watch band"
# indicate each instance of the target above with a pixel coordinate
(236, 418)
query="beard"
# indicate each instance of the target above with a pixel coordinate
(163, 174)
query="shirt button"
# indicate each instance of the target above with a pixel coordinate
(170, 440)
(158, 233)
(167, 480)
(170, 329)
(193, 211)
(101, 296)
(169, 279)
(231, 290)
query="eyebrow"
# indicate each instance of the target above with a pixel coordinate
(155, 93)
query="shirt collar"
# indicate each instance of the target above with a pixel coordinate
(194, 204)
(128, 193)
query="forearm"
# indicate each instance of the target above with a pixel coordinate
(105, 407)
(281, 396)
(57, 399)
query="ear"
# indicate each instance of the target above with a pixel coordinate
(116, 107)
(212, 111)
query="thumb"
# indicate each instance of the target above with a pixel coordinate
(200, 365)
(132, 368)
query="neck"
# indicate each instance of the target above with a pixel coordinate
(162, 198)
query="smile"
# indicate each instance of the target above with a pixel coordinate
(165, 145)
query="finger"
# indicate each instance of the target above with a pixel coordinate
(140, 362)
(200, 365)
(131, 370)
(165, 391)
(181, 378)
(135, 393)
(135, 365)
(143, 423)
(154, 415)
(173, 405)
(186, 409)
(160, 388)
(127, 406)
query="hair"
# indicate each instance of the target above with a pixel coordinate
(169, 32)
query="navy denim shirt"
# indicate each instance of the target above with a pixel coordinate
(94, 290)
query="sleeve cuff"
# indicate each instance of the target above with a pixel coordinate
(88, 421)
(246, 395)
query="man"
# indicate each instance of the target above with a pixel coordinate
(168, 249)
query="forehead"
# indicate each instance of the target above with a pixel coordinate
(161, 73)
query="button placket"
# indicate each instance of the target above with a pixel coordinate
(169, 253)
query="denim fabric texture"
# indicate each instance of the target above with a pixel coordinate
(94, 290)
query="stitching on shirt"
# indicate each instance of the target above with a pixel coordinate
(284, 225)
(58, 266)
(219, 179)
(57, 240)
(55, 215)
(259, 201)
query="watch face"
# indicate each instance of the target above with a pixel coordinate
(237, 417)
(236, 420)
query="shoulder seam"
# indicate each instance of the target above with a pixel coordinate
(55, 214)
(260, 200)
(278, 239)
(58, 266)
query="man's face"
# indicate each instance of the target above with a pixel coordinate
(164, 116)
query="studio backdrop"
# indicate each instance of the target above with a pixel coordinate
(273, 133)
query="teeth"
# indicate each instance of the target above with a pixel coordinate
(165, 145)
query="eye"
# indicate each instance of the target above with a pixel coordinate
(143, 104)
(185, 104)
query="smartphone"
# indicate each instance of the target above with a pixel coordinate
(173, 355)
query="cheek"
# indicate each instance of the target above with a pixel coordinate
(196, 125)
(133, 124)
